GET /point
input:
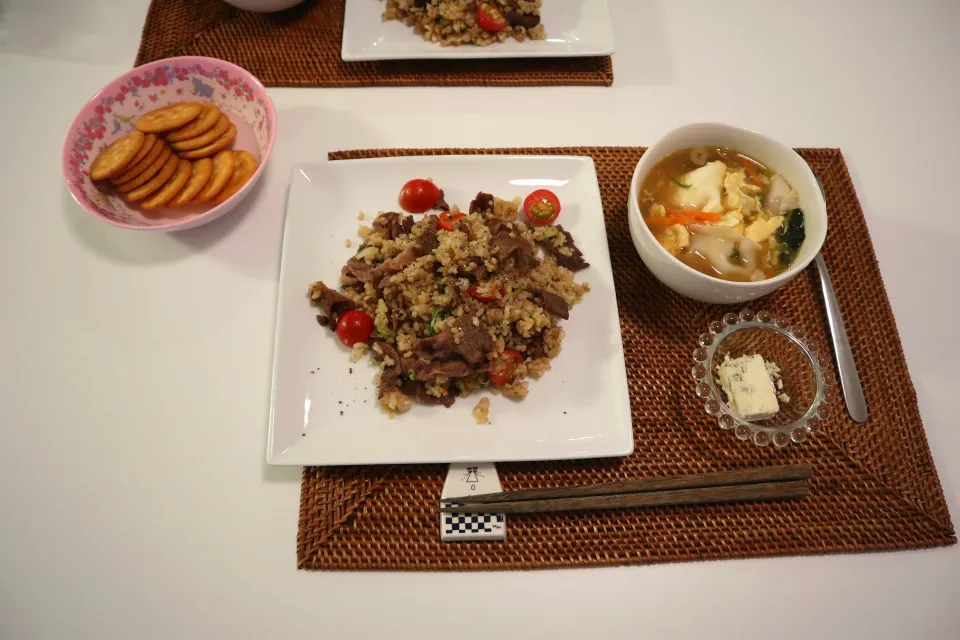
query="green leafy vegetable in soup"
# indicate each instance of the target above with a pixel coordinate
(791, 235)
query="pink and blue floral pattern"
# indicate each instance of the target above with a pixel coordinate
(112, 112)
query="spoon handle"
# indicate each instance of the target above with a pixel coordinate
(849, 379)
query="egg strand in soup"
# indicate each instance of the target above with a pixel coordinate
(723, 213)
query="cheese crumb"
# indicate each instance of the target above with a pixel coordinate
(348, 243)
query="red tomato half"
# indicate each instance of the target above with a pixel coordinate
(448, 219)
(353, 327)
(542, 206)
(419, 195)
(489, 17)
(503, 368)
(487, 297)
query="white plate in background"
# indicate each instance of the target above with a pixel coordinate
(574, 28)
(324, 408)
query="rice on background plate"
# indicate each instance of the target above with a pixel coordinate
(454, 22)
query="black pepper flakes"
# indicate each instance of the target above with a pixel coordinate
(351, 369)
(341, 413)
(339, 401)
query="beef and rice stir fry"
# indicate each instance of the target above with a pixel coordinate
(451, 303)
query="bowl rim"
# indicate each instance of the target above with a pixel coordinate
(197, 220)
(778, 280)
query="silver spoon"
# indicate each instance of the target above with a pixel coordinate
(849, 378)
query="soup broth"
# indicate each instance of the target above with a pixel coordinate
(723, 213)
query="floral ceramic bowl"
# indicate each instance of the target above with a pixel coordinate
(111, 114)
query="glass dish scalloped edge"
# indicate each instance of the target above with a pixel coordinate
(707, 389)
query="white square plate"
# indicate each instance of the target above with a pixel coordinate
(574, 28)
(324, 407)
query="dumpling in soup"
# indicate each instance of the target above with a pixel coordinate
(700, 189)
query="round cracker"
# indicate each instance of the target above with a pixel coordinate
(220, 143)
(222, 126)
(156, 182)
(138, 166)
(200, 174)
(201, 124)
(170, 117)
(170, 189)
(114, 158)
(147, 173)
(222, 172)
(244, 166)
(148, 143)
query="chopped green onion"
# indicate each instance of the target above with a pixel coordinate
(680, 184)
(437, 315)
(735, 256)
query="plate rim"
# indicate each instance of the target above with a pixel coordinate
(623, 443)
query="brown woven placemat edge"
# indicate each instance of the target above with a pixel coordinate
(613, 561)
(942, 515)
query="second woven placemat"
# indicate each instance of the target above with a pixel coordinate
(875, 486)
(301, 48)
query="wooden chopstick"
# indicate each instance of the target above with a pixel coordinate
(777, 473)
(786, 490)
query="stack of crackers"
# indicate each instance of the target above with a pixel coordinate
(178, 155)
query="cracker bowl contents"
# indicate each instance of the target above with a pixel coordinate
(759, 376)
(722, 214)
(456, 302)
(170, 145)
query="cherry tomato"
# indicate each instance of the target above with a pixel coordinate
(448, 219)
(489, 17)
(542, 206)
(353, 327)
(503, 368)
(486, 297)
(418, 195)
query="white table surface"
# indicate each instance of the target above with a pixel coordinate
(134, 498)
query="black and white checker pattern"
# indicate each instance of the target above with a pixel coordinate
(466, 523)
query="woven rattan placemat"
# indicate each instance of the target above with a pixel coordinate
(300, 47)
(875, 487)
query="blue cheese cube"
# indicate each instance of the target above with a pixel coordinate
(750, 391)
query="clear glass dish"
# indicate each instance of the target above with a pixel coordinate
(801, 374)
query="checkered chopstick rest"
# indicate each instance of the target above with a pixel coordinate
(467, 480)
